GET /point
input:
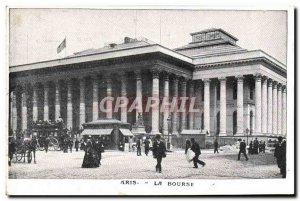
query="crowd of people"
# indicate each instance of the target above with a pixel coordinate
(256, 147)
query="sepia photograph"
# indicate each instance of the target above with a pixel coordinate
(144, 101)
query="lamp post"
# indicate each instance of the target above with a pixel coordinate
(247, 133)
(169, 128)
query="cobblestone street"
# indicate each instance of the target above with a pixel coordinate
(120, 165)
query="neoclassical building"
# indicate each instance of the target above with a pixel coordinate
(236, 90)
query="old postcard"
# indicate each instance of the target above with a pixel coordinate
(143, 101)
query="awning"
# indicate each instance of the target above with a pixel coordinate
(126, 132)
(96, 131)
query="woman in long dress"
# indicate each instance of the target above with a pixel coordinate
(90, 159)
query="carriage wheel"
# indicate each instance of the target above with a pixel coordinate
(19, 156)
(29, 156)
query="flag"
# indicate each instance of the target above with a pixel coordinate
(61, 46)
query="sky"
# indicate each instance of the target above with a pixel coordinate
(35, 34)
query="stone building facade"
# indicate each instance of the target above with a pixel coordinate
(236, 90)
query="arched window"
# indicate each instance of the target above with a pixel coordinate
(202, 121)
(234, 122)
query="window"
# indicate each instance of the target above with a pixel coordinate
(218, 123)
(202, 121)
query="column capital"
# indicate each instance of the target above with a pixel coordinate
(223, 78)
(258, 76)
(279, 86)
(275, 84)
(155, 72)
(239, 77)
(166, 75)
(175, 78)
(270, 82)
(264, 79)
(183, 80)
(283, 88)
(138, 74)
(206, 80)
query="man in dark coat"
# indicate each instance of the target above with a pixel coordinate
(196, 149)
(147, 146)
(70, 143)
(216, 146)
(280, 155)
(138, 147)
(47, 141)
(11, 149)
(76, 144)
(255, 146)
(250, 148)
(159, 152)
(243, 150)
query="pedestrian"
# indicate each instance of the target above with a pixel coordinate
(260, 146)
(264, 147)
(196, 149)
(11, 149)
(138, 147)
(90, 159)
(147, 145)
(187, 145)
(130, 142)
(255, 146)
(76, 144)
(216, 146)
(70, 143)
(250, 151)
(159, 152)
(242, 149)
(280, 155)
(47, 141)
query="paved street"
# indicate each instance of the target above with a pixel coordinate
(120, 165)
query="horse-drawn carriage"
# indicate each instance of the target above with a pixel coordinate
(53, 132)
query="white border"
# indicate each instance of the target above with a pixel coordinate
(207, 187)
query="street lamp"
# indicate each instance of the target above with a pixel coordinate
(169, 130)
(247, 133)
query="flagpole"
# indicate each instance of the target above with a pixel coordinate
(66, 46)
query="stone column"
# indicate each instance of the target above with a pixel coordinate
(166, 106)
(284, 111)
(275, 108)
(175, 106)
(191, 114)
(207, 105)
(82, 102)
(183, 112)
(69, 105)
(95, 98)
(24, 109)
(139, 92)
(109, 96)
(14, 110)
(264, 107)
(279, 110)
(240, 105)
(34, 103)
(155, 95)
(46, 101)
(57, 100)
(257, 105)
(124, 95)
(223, 111)
(270, 106)
(197, 115)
